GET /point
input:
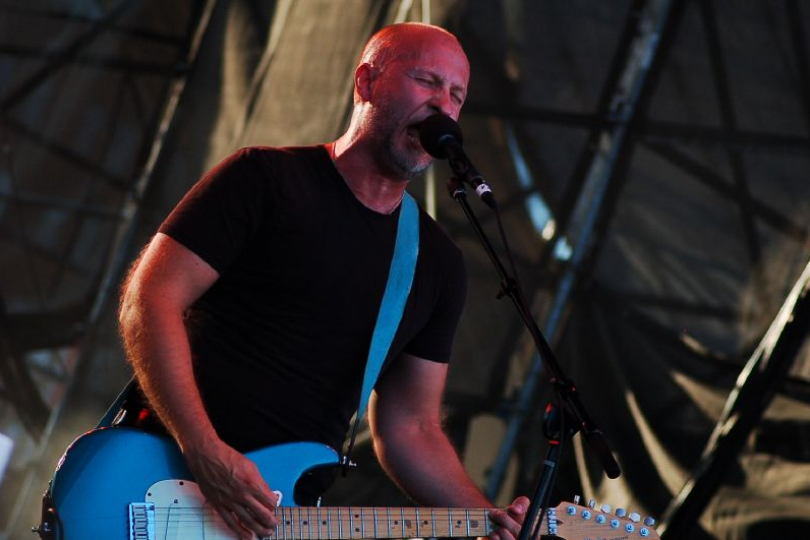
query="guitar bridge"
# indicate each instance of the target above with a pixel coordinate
(142, 521)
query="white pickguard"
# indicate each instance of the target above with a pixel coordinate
(184, 513)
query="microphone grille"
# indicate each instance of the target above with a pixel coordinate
(433, 132)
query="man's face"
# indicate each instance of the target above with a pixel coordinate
(431, 77)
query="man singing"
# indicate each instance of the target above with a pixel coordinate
(248, 317)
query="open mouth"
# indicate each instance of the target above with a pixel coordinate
(412, 131)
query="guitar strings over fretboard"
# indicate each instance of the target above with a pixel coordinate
(334, 523)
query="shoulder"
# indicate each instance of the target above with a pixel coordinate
(270, 157)
(435, 241)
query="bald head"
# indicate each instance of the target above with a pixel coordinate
(403, 39)
(406, 40)
(406, 73)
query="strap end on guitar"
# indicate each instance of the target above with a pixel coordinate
(346, 465)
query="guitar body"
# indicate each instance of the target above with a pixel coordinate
(105, 470)
(123, 483)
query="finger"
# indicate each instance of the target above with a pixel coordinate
(508, 528)
(248, 520)
(518, 508)
(266, 497)
(237, 528)
(264, 515)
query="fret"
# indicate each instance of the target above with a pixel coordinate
(402, 510)
(417, 523)
(388, 515)
(362, 524)
(486, 521)
(308, 522)
(340, 523)
(374, 513)
(433, 519)
(450, 522)
(467, 512)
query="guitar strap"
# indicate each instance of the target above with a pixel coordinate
(400, 279)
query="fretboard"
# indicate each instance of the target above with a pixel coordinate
(340, 523)
(334, 523)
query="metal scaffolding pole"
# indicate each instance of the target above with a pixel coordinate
(756, 387)
(120, 247)
(634, 85)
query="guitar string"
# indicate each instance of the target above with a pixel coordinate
(190, 516)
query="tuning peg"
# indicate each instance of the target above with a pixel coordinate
(621, 512)
(635, 517)
(649, 521)
(605, 508)
(577, 498)
(591, 504)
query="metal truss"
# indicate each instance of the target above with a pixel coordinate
(649, 30)
(101, 151)
(582, 216)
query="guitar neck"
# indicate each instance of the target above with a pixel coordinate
(339, 523)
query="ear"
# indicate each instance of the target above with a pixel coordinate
(364, 77)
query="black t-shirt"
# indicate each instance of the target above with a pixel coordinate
(280, 341)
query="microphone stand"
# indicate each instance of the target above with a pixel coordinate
(568, 399)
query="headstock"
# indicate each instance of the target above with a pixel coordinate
(576, 522)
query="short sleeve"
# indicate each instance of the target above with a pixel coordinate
(434, 341)
(223, 212)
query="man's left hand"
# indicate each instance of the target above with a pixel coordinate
(509, 520)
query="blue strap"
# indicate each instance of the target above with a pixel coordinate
(400, 279)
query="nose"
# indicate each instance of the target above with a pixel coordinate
(441, 101)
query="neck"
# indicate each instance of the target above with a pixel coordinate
(372, 188)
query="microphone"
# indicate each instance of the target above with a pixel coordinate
(441, 138)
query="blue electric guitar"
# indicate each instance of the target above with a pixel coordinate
(123, 483)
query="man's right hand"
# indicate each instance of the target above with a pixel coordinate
(233, 486)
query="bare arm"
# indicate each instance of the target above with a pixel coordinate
(165, 281)
(405, 418)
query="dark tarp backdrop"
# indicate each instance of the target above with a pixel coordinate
(652, 164)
